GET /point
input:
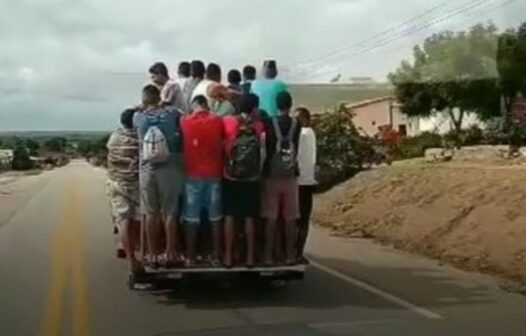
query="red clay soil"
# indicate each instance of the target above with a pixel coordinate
(471, 215)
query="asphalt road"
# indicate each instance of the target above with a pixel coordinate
(58, 276)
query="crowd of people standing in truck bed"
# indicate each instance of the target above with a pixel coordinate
(196, 156)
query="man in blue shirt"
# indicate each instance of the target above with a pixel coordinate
(268, 87)
(160, 183)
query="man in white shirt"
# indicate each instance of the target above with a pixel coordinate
(183, 74)
(306, 180)
(213, 75)
(171, 92)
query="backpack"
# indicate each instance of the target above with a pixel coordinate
(154, 145)
(244, 161)
(284, 163)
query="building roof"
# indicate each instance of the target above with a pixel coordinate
(6, 152)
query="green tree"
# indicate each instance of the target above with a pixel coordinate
(57, 144)
(84, 147)
(33, 146)
(511, 60)
(453, 73)
(21, 159)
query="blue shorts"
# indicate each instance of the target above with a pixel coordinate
(202, 195)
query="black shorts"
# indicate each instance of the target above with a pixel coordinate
(241, 199)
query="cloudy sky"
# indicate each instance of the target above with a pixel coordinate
(74, 64)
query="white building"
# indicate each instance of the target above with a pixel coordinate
(441, 123)
(6, 158)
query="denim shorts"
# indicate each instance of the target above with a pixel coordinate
(202, 195)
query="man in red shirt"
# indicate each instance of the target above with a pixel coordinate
(203, 161)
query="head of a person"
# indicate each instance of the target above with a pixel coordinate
(197, 69)
(127, 118)
(159, 73)
(284, 102)
(183, 70)
(248, 103)
(270, 69)
(249, 73)
(151, 95)
(199, 103)
(303, 115)
(234, 77)
(213, 72)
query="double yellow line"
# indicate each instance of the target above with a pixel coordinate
(68, 262)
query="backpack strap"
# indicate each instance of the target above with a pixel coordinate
(277, 130)
(292, 130)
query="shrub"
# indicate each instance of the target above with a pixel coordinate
(495, 132)
(468, 137)
(21, 159)
(342, 151)
(416, 146)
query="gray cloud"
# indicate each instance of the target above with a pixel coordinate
(76, 64)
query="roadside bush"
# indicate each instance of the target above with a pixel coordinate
(495, 132)
(416, 146)
(21, 159)
(468, 137)
(342, 151)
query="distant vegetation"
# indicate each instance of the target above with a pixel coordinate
(51, 149)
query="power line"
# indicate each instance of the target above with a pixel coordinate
(416, 28)
(419, 16)
(412, 31)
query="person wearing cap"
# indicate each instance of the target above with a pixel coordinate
(268, 88)
(171, 92)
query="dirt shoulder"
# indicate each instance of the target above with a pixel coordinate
(470, 214)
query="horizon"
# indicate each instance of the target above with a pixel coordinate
(91, 66)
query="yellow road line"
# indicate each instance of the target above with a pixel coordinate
(54, 307)
(80, 295)
(68, 259)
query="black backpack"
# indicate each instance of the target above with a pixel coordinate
(284, 162)
(244, 160)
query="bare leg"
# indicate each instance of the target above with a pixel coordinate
(152, 236)
(171, 238)
(191, 233)
(279, 241)
(129, 243)
(216, 241)
(230, 235)
(303, 233)
(250, 237)
(290, 240)
(270, 234)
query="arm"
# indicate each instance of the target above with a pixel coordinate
(179, 100)
(262, 140)
(314, 149)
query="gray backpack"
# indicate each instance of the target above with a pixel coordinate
(284, 161)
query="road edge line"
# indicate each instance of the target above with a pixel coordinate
(424, 312)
